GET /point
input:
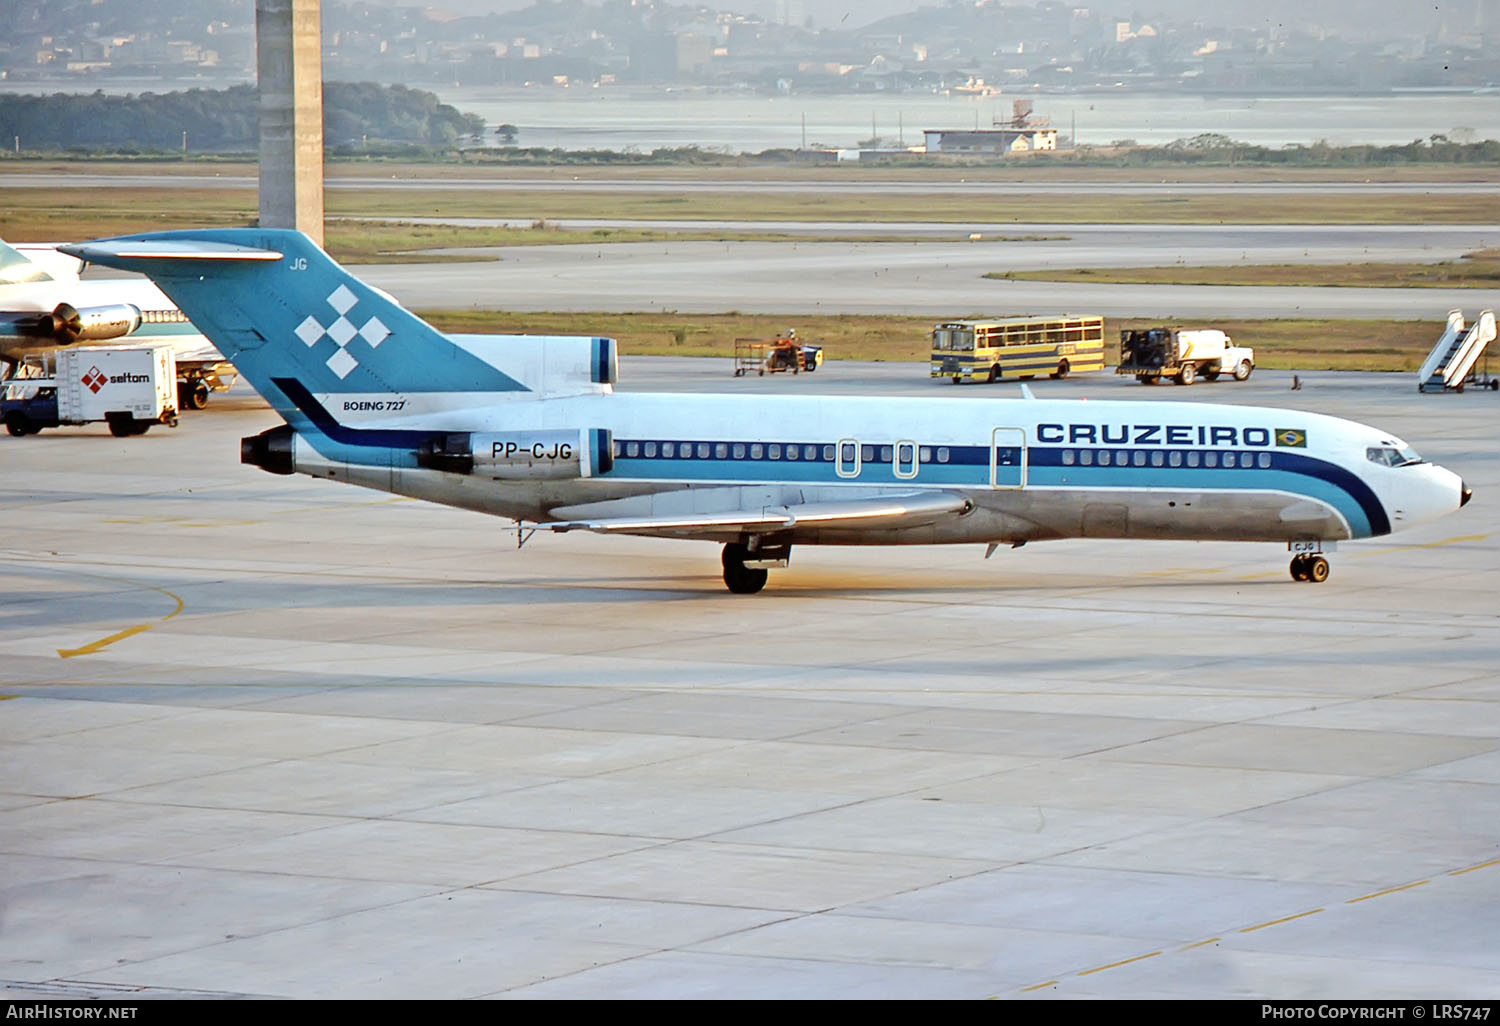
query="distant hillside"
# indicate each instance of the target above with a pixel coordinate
(223, 120)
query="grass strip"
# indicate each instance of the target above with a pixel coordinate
(1477, 270)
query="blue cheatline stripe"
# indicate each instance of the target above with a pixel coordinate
(1294, 471)
(377, 438)
(174, 329)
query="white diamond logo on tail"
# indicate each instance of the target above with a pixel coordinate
(342, 331)
(374, 332)
(341, 363)
(309, 331)
(341, 299)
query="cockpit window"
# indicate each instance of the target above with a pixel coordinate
(1392, 455)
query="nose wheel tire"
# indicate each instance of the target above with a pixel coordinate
(1310, 568)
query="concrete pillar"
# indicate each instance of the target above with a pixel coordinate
(289, 65)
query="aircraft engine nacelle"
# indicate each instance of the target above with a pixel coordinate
(542, 455)
(68, 324)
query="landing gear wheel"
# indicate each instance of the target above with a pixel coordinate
(193, 395)
(739, 578)
(1310, 568)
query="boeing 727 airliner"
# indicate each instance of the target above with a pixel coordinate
(529, 427)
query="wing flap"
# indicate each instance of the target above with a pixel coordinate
(893, 511)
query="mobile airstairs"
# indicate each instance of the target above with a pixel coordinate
(1451, 363)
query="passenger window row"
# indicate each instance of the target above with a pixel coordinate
(1163, 458)
(773, 451)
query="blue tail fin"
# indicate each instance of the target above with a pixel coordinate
(280, 309)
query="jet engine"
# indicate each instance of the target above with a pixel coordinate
(68, 324)
(522, 455)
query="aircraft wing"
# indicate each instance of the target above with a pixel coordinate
(914, 509)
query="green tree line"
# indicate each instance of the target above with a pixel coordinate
(225, 120)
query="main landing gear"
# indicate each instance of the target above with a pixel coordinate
(1310, 567)
(746, 563)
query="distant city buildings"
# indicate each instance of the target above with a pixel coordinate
(977, 48)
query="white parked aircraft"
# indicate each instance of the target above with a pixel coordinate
(528, 427)
(45, 305)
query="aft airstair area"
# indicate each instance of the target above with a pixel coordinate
(1451, 363)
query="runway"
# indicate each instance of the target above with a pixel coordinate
(626, 180)
(943, 279)
(269, 736)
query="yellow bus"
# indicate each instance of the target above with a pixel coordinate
(1017, 347)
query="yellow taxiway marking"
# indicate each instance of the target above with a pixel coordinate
(1457, 540)
(1388, 890)
(1199, 944)
(1470, 869)
(1278, 922)
(1274, 922)
(103, 643)
(1116, 965)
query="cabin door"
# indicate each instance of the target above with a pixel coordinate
(1008, 458)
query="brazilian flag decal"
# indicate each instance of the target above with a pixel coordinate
(1291, 438)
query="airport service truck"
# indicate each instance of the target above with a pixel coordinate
(127, 387)
(1155, 353)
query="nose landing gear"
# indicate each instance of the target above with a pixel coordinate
(1310, 568)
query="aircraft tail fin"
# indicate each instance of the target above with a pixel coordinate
(284, 312)
(16, 268)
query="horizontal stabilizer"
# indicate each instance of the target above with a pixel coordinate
(908, 510)
(106, 251)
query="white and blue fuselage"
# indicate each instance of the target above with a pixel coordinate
(1033, 469)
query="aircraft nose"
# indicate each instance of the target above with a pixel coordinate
(1465, 493)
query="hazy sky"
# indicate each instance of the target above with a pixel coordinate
(1397, 16)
